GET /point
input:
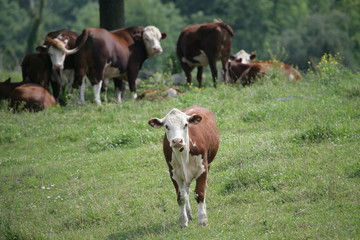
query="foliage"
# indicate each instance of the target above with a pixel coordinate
(304, 29)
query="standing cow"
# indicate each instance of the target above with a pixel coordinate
(60, 47)
(205, 44)
(105, 54)
(190, 144)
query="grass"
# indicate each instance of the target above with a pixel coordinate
(288, 165)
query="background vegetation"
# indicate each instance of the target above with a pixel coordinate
(291, 31)
(288, 165)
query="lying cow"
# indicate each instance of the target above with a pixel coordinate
(249, 72)
(60, 46)
(190, 144)
(105, 54)
(204, 44)
(32, 97)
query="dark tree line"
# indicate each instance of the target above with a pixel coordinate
(291, 31)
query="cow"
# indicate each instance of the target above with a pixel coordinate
(248, 72)
(116, 54)
(60, 47)
(204, 44)
(244, 56)
(190, 144)
(7, 87)
(33, 96)
(37, 68)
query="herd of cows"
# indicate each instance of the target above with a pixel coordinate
(67, 58)
(191, 138)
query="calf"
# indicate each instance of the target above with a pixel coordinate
(204, 44)
(33, 96)
(105, 54)
(190, 144)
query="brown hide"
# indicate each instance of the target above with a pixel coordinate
(206, 136)
(214, 39)
(37, 68)
(247, 73)
(33, 96)
(123, 48)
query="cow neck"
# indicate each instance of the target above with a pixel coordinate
(183, 155)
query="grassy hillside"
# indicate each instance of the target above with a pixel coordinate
(288, 165)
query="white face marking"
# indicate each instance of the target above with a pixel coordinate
(57, 57)
(176, 128)
(245, 57)
(151, 38)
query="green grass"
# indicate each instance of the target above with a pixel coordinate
(288, 166)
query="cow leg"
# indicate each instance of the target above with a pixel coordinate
(132, 75)
(119, 89)
(200, 189)
(97, 90)
(187, 71)
(213, 69)
(225, 69)
(182, 193)
(82, 90)
(199, 75)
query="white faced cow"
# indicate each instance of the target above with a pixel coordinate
(190, 144)
(116, 54)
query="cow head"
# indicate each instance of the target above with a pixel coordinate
(56, 48)
(152, 37)
(244, 56)
(176, 125)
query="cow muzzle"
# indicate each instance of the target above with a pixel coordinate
(177, 143)
(58, 67)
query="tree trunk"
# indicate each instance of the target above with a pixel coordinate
(37, 20)
(112, 14)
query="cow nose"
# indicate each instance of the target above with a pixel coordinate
(57, 66)
(177, 142)
(157, 49)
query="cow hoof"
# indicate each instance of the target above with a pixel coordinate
(185, 225)
(203, 222)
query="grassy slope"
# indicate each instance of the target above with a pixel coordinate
(288, 166)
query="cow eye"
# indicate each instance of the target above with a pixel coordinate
(167, 127)
(185, 125)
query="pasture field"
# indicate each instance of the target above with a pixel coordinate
(288, 166)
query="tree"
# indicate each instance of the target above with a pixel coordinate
(112, 14)
(37, 20)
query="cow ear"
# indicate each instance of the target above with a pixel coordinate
(137, 34)
(41, 48)
(253, 56)
(155, 123)
(194, 119)
(232, 57)
(163, 35)
(8, 80)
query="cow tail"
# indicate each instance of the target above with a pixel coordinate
(229, 29)
(80, 41)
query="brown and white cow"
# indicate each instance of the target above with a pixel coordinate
(204, 44)
(105, 54)
(190, 144)
(60, 46)
(249, 71)
(33, 96)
